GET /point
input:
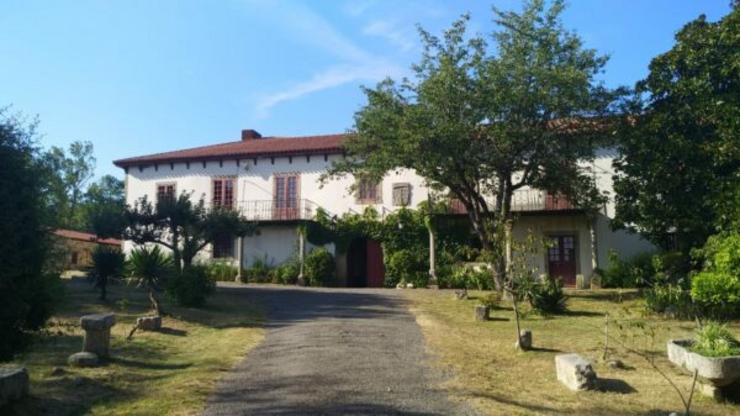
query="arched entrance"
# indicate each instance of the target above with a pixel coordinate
(365, 263)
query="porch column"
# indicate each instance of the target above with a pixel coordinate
(432, 259)
(301, 255)
(594, 247)
(239, 257)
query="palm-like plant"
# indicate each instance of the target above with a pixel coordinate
(149, 267)
(107, 262)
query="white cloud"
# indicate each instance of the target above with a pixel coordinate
(390, 32)
(329, 78)
(357, 7)
(354, 63)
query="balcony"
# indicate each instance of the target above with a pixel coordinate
(525, 200)
(273, 210)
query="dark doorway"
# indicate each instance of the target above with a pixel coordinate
(561, 259)
(365, 263)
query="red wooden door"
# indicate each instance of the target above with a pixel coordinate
(285, 198)
(375, 268)
(561, 259)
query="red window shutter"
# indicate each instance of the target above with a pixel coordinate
(217, 193)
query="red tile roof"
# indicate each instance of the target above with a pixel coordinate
(267, 146)
(82, 236)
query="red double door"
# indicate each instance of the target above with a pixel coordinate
(561, 258)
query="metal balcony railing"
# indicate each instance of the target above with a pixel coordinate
(525, 200)
(274, 210)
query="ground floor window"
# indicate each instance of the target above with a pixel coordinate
(223, 246)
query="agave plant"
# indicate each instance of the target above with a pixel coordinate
(149, 267)
(107, 263)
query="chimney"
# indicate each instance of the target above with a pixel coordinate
(250, 134)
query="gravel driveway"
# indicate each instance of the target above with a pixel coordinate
(333, 352)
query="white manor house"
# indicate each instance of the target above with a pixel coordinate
(275, 181)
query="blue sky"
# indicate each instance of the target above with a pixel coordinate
(137, 77)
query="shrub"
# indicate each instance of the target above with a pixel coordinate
(319, 268)
(408, 266)
(716, 290)
(221, 271)
(670, 267)
(261, 271)
(287, 273)
(191, 286)
(716, 294)
(492, 300)
(547, 297)
(637, 271)
(468, 277)
(669, 298)
(715, 340)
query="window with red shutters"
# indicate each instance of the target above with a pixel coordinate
(165, 191)
(223, 192)
(285, 199)
(368, 192)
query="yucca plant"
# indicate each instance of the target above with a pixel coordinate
(107, 262)
(149, 267)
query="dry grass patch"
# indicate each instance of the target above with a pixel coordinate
(497, 379)
(163, 373)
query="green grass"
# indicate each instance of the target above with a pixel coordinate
(156, 373)
(489, 373)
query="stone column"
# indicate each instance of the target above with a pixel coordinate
(97, 333)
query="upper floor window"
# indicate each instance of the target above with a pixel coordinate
(401, 194)
(165, 192)
(223, 192)
(286, 196)
(369, 192)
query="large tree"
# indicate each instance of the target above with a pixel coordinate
(679, 175)
(182, 226)
(70, 173)
(26, 286)
(485, 121)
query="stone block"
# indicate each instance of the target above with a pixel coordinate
(83, 359)
(149, 323)
(461, 294)
(14, 384)
(575, 372)
(481, 312)
(98, 321)
(525, 339)
(97, 333)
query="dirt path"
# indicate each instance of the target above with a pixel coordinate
(333, 352)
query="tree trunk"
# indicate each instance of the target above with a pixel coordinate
(155, 303)
(176, 255)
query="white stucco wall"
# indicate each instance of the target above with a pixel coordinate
(255, 182)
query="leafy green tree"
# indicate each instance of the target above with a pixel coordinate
(71, 171)
(679, 175)
(483, 122)
(107, 263)
(26, 287)
(182, 226)
(104, 205)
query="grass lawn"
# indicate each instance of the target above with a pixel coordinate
(156, 373)
(497, 379)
